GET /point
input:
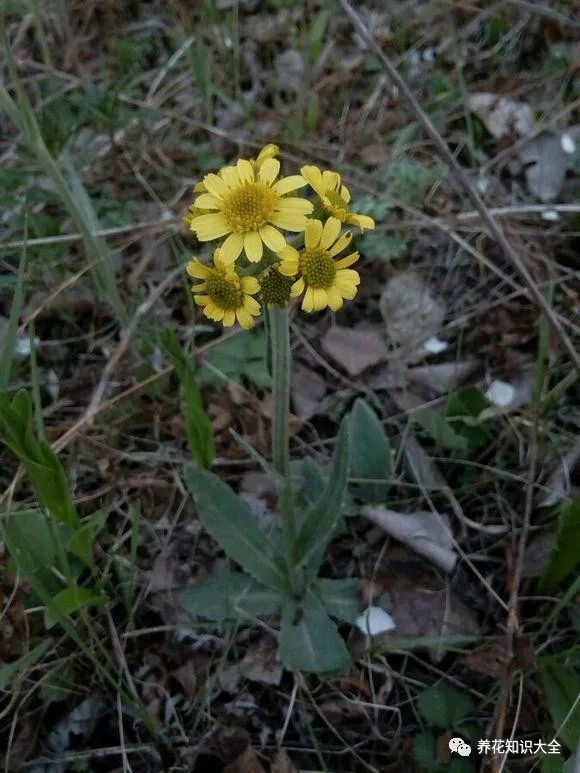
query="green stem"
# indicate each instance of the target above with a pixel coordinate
(280, 342)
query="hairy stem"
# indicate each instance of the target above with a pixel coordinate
(280, 341)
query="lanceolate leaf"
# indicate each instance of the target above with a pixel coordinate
(566, 550)
(340, 597)
(309, 640)
(229, 520)
(228, 596)
(370, 451)
(321, 519)
(562, 687)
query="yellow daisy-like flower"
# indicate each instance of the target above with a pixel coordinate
(334, 196)
(323, 280)
(224, 296)
(247, 205)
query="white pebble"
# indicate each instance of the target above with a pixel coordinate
(435, 345)
(568, 144)
(375, 620)
(500, 393)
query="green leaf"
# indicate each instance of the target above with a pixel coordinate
(462, 412)
(198, 427)
(444, 706)
(370, 452)
(243, 355)
(230, 522)
(383, 247)
(71, 600)
(321, 520)
(340, 597)
(565, 553)
(12, 327)
(440, 430)
(562, 687)
(30, 543)
(425, 754)
(309, 640)
(10, 671)
(228, 596)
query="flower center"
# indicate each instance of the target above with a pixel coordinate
(335, 205)
(249, 207)
(317, 268)
(276, 287)
(225, 293)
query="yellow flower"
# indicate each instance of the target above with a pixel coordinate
(323, 280)
(246, 205)
(224, 296)
(334, 196)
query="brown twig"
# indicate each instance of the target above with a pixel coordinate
(478, 203)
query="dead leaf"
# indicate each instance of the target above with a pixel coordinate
(546, 163)
(559, 484)
(308, 389)
(261, 664)
(502, 116)
(537, 554)
(421, 466)
(283, 764)
(423, 611)
(289, 67)
(443, 377)
(355, 349)
(428, 534)
(247, 762)
(489, 658)
(411, 311)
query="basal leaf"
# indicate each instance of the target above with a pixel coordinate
(229, 520)
(309, 640)
(565, 553)
(370, 452)
(69, 601)
(562, 688)
(320, 521)
(340, 598)
(444, 706)
(228, 596)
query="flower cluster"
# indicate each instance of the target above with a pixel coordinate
(250, 206)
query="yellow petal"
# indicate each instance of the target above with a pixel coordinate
(320, 300)
(230, 176)
(229, 318)
(348, 275)
(289, 267)
(215, 185)
(245, 318)
(231, 248)
(208, 227)
(198, 288)
(272, 238)
(249, 285)
(347, 261)
(288, 184)
(290, 221)
(268, 151)
(251, 305)
(312, 234)
(198, 270)
(269, 170)
(313, 177)
(345, 194)
(340, 244)
(330, 181)
(289, 252)
(308, 300)
(207, 201)
(245, 170)
(330, 233)
(294, 204)
(363, 221)
(201, 300)
(334, 298)
(253, 246)
(297, 288)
